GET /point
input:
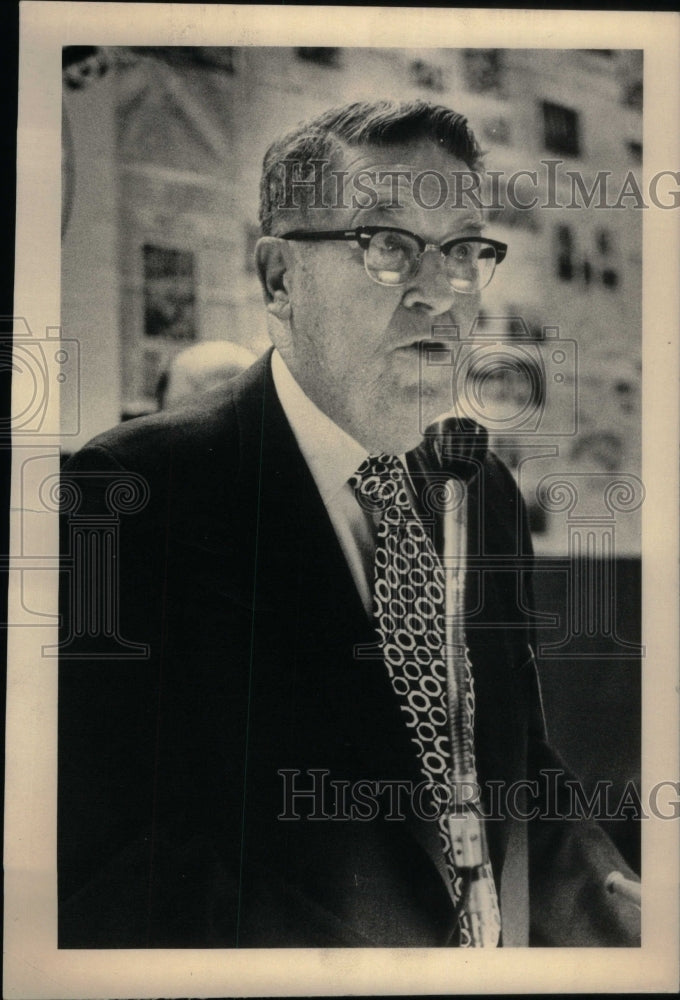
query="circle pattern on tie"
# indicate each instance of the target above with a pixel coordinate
(409, 608)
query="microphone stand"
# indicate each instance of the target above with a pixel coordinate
(456, 447)
(453, 450)
(466, 827)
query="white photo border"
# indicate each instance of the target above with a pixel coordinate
(33, 966)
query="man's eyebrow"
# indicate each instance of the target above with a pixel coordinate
(466, 227)
(471, 222)
(387, 205)
(383, 209)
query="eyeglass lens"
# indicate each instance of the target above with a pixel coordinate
(391, 258)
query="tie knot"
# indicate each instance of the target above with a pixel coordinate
(379, 482)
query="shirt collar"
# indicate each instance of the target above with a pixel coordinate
(331, 454)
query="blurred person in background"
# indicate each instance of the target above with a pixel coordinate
(200, 368)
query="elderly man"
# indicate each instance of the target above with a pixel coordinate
(308, 754)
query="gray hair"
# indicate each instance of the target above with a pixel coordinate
(378, 123)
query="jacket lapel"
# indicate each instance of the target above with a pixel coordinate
(295, 540)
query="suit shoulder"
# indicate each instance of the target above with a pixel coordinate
(182, 439)
(210, 433)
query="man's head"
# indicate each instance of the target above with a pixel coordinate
(349, 322)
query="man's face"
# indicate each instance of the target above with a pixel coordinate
(353, 344)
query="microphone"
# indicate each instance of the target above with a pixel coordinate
(617, 884)
(452, 453)
(455, 445)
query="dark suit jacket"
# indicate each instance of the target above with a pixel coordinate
(170, 766)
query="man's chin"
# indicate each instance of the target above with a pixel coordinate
(396, 444)
(398, 437)
(402, 413)
(435, 402)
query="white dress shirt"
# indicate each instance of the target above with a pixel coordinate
(332, 456)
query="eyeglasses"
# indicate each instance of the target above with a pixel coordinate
(392, 256)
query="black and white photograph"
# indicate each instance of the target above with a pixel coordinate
(343, 625)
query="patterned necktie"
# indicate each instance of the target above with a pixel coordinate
(409, 607)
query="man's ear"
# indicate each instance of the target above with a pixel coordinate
(271, 258)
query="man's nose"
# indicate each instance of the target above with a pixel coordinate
(429, 288)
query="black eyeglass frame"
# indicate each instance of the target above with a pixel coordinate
(363, 234)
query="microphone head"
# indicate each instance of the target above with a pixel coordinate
(454, 445)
